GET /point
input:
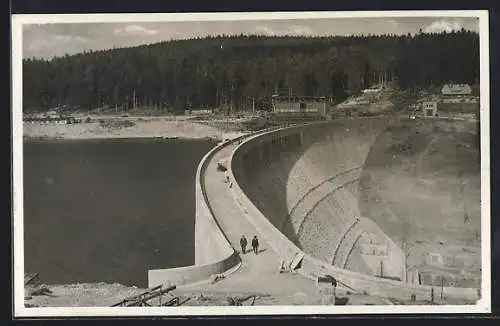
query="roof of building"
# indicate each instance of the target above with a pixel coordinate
(456, 89)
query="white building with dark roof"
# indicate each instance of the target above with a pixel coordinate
(456, 90)
(430, 108)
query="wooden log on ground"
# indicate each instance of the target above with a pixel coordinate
(150, 290)
(42, 290)
(184, 301)
(172, 302)
(137, 296)
(31, 278)
(150, 296)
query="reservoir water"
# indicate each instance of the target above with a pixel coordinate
(109, 210)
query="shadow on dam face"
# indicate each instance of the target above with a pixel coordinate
(313, 182)
(264, 174)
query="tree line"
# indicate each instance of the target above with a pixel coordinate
(243, 71)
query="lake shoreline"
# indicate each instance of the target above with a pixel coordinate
(128, 128)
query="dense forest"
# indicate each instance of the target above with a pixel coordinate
(238, 70)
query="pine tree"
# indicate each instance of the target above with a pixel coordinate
(206, 72)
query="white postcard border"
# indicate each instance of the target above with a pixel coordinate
(482, 306)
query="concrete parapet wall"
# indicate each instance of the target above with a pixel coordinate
(286, 249)
(211, 245)
(266, 154)
(277, 240)
(213, 252)
(190, 274)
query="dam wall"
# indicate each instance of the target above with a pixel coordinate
(213, 252)
(297, 186)
(299, 179)
(364, 247)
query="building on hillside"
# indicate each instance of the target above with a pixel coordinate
(430, 108)
(373, 89)
(434, 259)
(53, 115)
(299, 105)
(413, 276)
(198, 112)
(458, 98)
(436, 276)
(454, 90)
(354, 102)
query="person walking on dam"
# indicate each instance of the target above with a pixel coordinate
(255, 245)
(243, 244)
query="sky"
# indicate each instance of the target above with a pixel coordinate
(57, 39)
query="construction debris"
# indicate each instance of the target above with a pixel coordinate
(116, 123)
(31, 279)
(40, 290)
(165, 298)
(233, 301)
(33, 286)
(328, 289)
(236, 301)
(214, 278)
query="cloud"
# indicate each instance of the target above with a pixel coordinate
(134, 30)
(47, 43)
(300, 30)
(297, 30)
(47, 40)
(37, 45)
(439, 26)
(69, 38)
(266, 30)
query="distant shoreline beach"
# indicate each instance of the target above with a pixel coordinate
(119, 128)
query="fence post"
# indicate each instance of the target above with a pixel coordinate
(442, 287)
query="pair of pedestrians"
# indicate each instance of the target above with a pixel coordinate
(244, 242)
(227, 180)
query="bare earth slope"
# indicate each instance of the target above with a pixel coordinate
(421, 185)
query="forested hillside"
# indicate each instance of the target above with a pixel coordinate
(211, 71)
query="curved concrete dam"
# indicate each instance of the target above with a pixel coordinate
(317, 195)
(341, 192)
